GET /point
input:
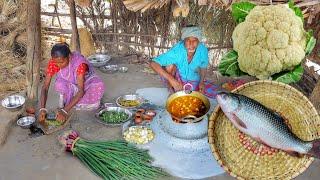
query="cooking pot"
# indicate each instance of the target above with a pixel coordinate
(188, 92)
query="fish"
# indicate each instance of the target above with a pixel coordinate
(264, 125)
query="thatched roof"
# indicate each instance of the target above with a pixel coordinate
(143, 5)
(310, 7)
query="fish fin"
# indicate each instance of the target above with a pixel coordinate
(315, 150)
(261, 142)
(239, 121)
(294, 154)
(278, 115)
(290, 152)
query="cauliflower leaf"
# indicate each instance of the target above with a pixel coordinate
(241, 10)
(311, 42)
(296, 10)
(229, 65)
(289, 77)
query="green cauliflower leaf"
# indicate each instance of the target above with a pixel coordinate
(311, 42)
(296, 10)
(229, 66)
(241, 10)
(289, 76)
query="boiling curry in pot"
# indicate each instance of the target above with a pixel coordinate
(187, 105)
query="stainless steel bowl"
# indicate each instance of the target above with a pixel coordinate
(126, 128)
(113, 108)
(98, 60)
(26, 122)
(110, 69)
(13, 102)
(129, 97)
(123, 69)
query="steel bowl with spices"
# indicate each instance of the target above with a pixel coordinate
(129, 101)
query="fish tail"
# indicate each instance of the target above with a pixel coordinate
(315, 150)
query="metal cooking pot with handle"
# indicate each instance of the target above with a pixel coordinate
(188, 92)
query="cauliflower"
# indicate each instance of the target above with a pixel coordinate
(270, 40)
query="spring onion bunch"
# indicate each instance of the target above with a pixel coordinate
(111, 159)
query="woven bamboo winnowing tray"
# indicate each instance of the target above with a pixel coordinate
(244, 158)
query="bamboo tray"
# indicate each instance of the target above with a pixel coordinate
(244, 158)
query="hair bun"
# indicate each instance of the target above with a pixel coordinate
(60, 50)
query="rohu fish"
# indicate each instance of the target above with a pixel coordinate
(264, 125)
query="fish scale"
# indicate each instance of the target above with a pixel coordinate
(257, 121)
(271, 122)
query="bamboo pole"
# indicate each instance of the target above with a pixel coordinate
(33, 49)
(77, 14)
(128, 34)
(133, 44)
(58, 30)
(75, 35)
(155, 46)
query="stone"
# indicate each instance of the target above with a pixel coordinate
(8, 118)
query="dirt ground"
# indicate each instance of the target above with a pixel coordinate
(23, 157)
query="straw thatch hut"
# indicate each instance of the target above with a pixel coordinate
(143, 28)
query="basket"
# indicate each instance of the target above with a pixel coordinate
(244, 158)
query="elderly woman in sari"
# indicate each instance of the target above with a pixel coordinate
(76, 82)
(186, 62)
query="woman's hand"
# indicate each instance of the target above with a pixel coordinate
(177, 86)
(61, 116)
(201, 87)
(42, 116)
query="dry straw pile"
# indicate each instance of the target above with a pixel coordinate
(86, 42)
(83, 3)
(13, 45)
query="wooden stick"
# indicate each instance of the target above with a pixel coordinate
(33, 48)
(126, 34)
(78, 15)
(58, 30)
(310, 3)
(155, 46)
(55, 6)
(133, 44)
(75, 34)
(45, 34)
(56, 11)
